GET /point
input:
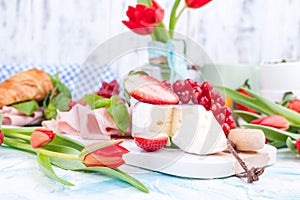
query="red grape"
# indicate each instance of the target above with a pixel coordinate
(211, 99)
(216, 108)
(225, 128)
(206, 86)
(167, 83)
(178, 86)
(220, 100)
(204, 101)
(220, 118)
(184, 97)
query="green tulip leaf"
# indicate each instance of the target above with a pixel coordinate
(118, 174)
(289, 114)
(278, 144)
(247, 116)
(273, 134)
(291, 144)
(61, 139)
(61, 149)
(76, 165)
(245, 100)
(46, 167)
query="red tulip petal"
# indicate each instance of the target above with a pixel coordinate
(275, 121)
(92, 160)
(39, 139)
(196, 3)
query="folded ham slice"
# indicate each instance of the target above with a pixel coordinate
(13, 117)
(84, 122)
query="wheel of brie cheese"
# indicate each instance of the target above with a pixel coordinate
(192, 128)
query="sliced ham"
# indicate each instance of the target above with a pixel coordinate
(106, 122)
(84, 122)
(12, 116)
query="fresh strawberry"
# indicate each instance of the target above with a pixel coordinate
(240, 106)
(150, 141)
(147, 89)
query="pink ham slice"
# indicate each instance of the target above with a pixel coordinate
(106, 123)
(84, 122)
(13, 117)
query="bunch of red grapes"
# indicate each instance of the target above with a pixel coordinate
(204, 94)
(107, 90)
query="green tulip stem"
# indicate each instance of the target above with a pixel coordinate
(180, 13)
(27, 147)
(57, 155)
(173, 19)
(18, 135)
(15, 143)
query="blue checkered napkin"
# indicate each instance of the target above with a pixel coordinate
(90, 78)
(79, 79)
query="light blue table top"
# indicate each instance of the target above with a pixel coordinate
(21, 178)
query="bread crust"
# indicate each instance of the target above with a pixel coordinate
(32, 84)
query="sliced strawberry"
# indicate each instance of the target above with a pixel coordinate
(147, 89)
(150, 141)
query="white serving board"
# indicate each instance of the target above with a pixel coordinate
(176, 162)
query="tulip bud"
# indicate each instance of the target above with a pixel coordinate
(41, 137)
(1, 137)
(275, 121)
(196, 3)
(108, 156)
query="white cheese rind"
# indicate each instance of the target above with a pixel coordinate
(193, 129)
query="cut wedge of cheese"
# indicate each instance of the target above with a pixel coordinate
(192, 128)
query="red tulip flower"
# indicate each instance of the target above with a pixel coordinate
(294, 105)
(196, 3)
(41, 137)
(1, 137)
(275, 121)
(298, 145)
(108, 156)
(143, 18)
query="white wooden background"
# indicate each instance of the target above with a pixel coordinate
(65, 31)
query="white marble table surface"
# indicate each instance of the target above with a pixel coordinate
(21, 178)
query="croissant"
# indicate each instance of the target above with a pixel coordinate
(32, 84)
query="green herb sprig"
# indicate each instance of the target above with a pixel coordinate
(58, 99)
(115, 107)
